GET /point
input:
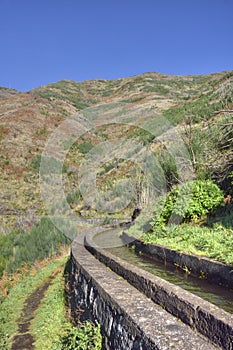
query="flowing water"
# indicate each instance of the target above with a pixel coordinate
(220, 296)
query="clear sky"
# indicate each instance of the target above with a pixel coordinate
(43, 41)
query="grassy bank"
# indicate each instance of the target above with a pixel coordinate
(192, 218)
(212, 242)
(50, 327)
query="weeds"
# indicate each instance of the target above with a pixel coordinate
(51, 326)
(215, 243)
(11, 307)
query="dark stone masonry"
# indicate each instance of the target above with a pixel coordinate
(129, 318)
(213, 271)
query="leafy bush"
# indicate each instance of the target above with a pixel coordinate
(142, 135)
(158, 88)
(208, 144)
(6, 248)
(86, 336)
(187, 202)
(85, 147)
(202, 107)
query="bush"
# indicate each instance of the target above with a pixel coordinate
(36, 163)
(144, 136)
(85, 147)
(86, 336)
(74, 197)
(188, 202)
(169, 167)
(6, 248)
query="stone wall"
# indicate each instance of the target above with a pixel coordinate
(202, 316)
(213, 271)
(128, 318)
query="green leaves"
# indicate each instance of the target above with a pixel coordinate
(188, 202)
(84, 337)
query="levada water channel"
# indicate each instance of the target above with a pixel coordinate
(218, 295)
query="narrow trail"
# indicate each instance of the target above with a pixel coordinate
(24, 340)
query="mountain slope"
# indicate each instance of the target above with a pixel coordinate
(27, 120)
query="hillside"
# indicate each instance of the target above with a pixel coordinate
(191, 103)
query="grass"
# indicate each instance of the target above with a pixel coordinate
(51, 327)
(50, 318)
(212, 242)
(11, 307)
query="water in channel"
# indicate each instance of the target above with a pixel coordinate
(220, 296)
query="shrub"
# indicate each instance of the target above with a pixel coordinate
(85, 147)
(6, 248)
(188, 202)
(86, 336)
(35, 163)
(213, 242)
(74, 197)
(169, 167)
(144, 136)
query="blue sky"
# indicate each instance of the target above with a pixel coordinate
(49, 40)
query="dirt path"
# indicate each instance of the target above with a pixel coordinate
(23, 340)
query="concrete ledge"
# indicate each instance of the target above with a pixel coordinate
(216, 272)
(200, 315)
(129, 319)
(101, 221)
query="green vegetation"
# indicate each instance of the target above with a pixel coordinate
(190, 201)
(50, 327)
(168, 165)
(84, 147)
(158, 88)
(86, 336)
(107, 168)
(11, 307)
(202, 107)
(49, 165)
(209, 144)
(35, 163)
(43, 111)
(74, 197)
(41, 132)
(142, 135)
(65, 91)
(49, 94)
(213, 242)
(19, 247)
(193, 219)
